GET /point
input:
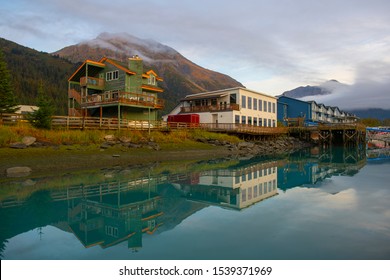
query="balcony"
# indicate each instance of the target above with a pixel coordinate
(122, 98)
(92, 82)
(210, 108)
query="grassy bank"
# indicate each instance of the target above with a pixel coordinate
(74, 150)
(12, 134)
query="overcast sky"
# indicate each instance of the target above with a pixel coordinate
(268, 45)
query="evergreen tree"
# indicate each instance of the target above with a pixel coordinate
(8, 102)
(41, 118)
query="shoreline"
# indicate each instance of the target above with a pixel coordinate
(61, 159)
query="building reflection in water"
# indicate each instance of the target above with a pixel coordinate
(112, 213)
(122, 210)
(236, 188)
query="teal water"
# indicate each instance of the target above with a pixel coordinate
(323, 205)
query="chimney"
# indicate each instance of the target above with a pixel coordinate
(136, 66)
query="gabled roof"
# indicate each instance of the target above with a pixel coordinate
(89, 62)
(117, 64)
(147, 74)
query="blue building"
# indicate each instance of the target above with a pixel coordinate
(309, 112)
(293, 108)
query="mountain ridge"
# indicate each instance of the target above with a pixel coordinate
(181, 76)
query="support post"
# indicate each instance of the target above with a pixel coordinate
(119, 116)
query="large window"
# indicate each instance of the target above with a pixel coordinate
(254, 103)
(269, 107)
(260, 105)
(243, 119)
(249, 102)
(243, 101)
(273, 107)
(237, 119)
(265, 106)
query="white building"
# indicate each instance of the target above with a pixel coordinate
(234, 105)
(236, 189)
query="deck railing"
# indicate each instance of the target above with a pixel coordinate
(91, 81)
(210, 108)
(122, 97)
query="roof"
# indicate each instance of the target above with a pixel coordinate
(81, 72)
(220, 93)
(118, 65)
(147, 74)
(204, 96)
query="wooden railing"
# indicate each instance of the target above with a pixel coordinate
(73, 122)
(72, 93)
(12, 119)
(210, 108)
(91, 81)
(114, 97)
(244, 128)
(69, 122)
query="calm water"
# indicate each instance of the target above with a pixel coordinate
(327, 205)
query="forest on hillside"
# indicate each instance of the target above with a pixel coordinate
(28, 68)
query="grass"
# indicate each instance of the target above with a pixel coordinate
(11, 134)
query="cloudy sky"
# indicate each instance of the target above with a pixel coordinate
(268, 45)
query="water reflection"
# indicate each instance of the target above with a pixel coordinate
(122, 209)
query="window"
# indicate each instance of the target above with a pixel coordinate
(249, 193)
(151, 80)
(250, 120)
(111, 231)
(254, 104)
(265, 122)
(265, 106)
(233, 98)
(273, 107)
(269, 107)
(273, 123)
(243, 101)
(260, 105)
(113, 75)
(254, 121)
(269, 122)
(243, 196)
(243, 119)
(260, 122)
(255, 191)
(237, 119)
(249, 102)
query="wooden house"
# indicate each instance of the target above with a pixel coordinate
(109, 88)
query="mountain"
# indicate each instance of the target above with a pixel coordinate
(29, 67)
(323, 89)
(181, 76)
(334, 93)
(373, 113)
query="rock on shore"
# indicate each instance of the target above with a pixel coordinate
(283, 145)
